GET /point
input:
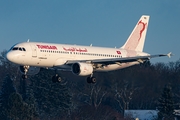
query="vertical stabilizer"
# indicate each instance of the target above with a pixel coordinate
(138, 35)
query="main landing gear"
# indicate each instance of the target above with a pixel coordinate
(56, 78)
(91, 79)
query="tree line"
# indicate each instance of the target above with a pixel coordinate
(38, 98)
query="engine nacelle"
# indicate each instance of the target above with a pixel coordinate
(82, 69)
(31, 70)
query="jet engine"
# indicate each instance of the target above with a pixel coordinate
(82, 69)
(30, 71)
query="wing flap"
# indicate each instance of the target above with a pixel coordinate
(107, 61)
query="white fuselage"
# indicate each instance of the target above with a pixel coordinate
(82, 60)
(56, 55)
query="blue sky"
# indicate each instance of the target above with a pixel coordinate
(106, 23)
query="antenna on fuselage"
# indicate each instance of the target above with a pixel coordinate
(28, 40)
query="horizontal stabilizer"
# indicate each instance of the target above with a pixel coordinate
(169, 55)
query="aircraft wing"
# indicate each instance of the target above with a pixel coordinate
(140, 59)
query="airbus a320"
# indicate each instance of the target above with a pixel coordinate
(81, 60)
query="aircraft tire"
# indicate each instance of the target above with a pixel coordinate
(88, 79)
(93, 80)
(56, 78)
(24, 77)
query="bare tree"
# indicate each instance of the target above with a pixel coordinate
(123, 95)
(93, 95)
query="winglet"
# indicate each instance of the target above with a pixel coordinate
(169, 55)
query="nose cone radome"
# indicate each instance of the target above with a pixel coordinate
(10, 56)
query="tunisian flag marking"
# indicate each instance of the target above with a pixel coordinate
(118, 52)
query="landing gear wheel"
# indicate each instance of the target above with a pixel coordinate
(88, 79)
(91, 80)
(24, 77)
(56, 78)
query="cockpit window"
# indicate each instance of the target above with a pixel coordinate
(19, 48)
(24, 49)
(15, 48)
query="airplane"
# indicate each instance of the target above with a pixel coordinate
(81, 60)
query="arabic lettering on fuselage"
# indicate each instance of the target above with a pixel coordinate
(73, 49)
(47, 47)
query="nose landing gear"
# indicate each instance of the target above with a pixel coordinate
(25, 70)
(24, 77)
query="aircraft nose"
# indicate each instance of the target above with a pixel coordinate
(9, 56)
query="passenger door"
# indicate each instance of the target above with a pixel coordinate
(34, 51)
